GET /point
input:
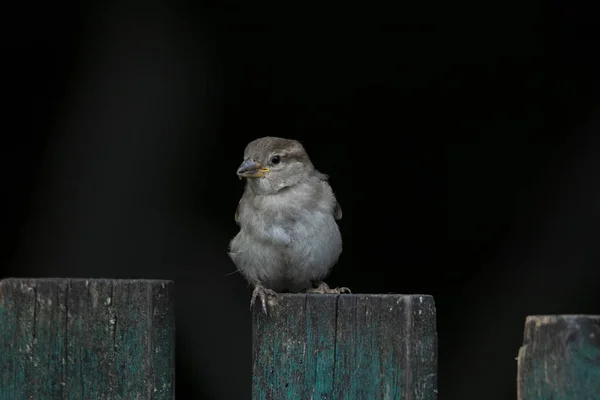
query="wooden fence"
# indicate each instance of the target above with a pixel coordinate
(101, 339)
(80, 339)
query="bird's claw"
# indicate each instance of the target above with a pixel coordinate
(261, 292)
(323, 288)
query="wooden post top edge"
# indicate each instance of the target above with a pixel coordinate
(550, 319)
(361, 295)
(89, 280)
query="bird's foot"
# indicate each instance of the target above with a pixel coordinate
(323, 288)
(262, 293)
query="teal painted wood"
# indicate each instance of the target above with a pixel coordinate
(345, 347)
(560, 358)
(78, 339)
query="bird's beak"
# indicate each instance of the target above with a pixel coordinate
(251, 169)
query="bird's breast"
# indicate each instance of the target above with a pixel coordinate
(283, 227)
(286, 217)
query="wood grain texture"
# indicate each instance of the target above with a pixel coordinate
(345, 347)
(560, 358)
(79, 339)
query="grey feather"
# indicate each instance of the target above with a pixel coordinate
(288, 235)
(337, 208)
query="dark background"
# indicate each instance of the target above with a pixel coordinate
(461, 139)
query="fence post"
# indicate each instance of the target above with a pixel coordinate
(86, 339)
(560, 358)
(349, 346)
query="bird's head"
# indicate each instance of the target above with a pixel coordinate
(271, 164)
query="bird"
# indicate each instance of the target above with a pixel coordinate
(289, 238)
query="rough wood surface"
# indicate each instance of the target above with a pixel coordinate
(560, 358)
(345, 347)
(80, 339)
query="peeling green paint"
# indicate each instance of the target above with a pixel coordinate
(77, 339)
(345, 347)
(560, 358)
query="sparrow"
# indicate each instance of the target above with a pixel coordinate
(289, 238)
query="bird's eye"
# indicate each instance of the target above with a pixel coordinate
(276, 159)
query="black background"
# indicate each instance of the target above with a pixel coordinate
(461, 140)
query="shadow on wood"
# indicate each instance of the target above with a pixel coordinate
(336, 347)
(86, 339)
(560, 358)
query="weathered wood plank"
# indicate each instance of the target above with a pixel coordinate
(336, 347)
(560, 358)
(86, 339)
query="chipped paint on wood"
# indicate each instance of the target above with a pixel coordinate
(560, 358)
(345, 347)
(74, 339)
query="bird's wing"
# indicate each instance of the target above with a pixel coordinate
(237, 213)
(322, 176)
(337, 209)
(243, 201)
